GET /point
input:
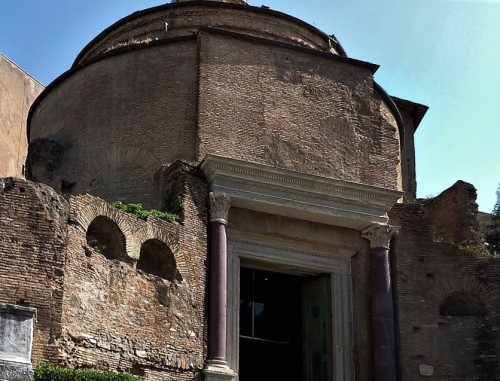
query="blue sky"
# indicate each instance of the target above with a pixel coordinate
(442, 53)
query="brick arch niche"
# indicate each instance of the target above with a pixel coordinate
(468, 329)
(156, 258)
(104, 236)
(462, 303)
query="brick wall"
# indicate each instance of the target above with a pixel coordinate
(116, 316)
(426, 272)
(119, 120)
(454, 214)
(104, 312)
(185, 19)
(33, 237)
(136, 107)
(18, 90)
(294, 110)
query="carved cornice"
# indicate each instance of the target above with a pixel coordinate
(380, 235)
(219, 207)
(298, 195)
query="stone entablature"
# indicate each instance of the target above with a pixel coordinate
(298, 195)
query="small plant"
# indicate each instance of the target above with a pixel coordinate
(94, 244)
(479, 251)
(176, 206)
(139, 211)
(55, 373)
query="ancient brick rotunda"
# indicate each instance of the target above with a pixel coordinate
(289, 171)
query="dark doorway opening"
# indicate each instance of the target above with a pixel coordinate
(270, 326)
(285, 327)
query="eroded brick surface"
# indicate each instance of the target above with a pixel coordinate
(104, 313)
(454, 214)
(426, 271)
(33, 238)
(294, 110)
(146, 98)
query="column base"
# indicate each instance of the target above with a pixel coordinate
(218, 371)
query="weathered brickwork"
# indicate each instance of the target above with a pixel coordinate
(288, 102)
(33, 238)
(185, 19)
(108, 90)
(141, 108)
(427, 272)
(294, 110)
(118, 317)
(454, 214)
(412, 114)
(100, 312)
(17, 92)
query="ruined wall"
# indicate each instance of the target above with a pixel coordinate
(447, 303)
(294, 110)
(117, 121)
(33, 237)
(120, 313)
(18, 90)
(454, 214)
(111, 291)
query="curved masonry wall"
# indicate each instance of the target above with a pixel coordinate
(186, 18)
(119, 120)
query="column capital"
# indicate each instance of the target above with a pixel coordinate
(380, 235)
(219, 207)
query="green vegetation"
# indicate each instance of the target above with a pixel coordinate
(479, 251)
(139, 211)
(94, 244)
(54, 373)
(493, 235)
(176, 206)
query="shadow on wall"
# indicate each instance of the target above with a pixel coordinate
(155, 258)
(468, 310)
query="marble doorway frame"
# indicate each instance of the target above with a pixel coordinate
(292, 260)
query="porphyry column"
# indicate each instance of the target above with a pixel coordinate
(384, 343)
(216, 368)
